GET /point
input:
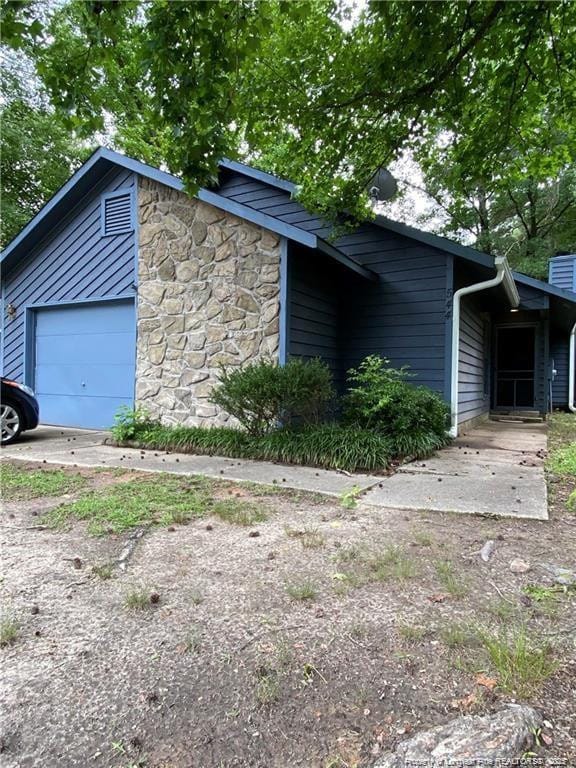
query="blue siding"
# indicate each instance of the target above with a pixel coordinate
(402, 317)
(314, 309)
(473, 389)
(72, 263)
(562, 272)
(559, 349)
(84, 362)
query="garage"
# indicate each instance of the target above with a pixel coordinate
(84, 362)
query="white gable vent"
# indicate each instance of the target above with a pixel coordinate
(117, 214)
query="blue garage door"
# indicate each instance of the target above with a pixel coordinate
(85, 363)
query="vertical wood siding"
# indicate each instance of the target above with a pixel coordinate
(473, 394)
(74, 262)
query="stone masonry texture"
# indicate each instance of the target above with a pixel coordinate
(208, 295)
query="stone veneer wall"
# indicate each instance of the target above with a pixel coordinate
(208, 295)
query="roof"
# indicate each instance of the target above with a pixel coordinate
(261, 198)
(103, 160)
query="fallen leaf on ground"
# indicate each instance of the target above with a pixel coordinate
(487, 682)
(438, 598)
(465, 703)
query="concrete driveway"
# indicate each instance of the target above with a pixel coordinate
(498, 469)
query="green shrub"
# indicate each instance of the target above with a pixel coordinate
(129, 422)
(264, 394)
(332, 446)
(414, 418)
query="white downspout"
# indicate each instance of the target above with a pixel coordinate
(503, 275)
(572, 369)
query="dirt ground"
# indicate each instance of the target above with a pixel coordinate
(272, 645)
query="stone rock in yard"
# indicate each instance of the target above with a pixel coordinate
(564, 576)
(487, 550)
(519, 566)
(487, 740)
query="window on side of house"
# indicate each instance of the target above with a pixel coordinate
(116, 213)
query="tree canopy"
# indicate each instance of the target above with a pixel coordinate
(318, 90)
(38, 155)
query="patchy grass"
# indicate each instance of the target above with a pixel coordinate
(423, 539)
(138, 598)
(412, 633)
(104, 571)
(302, 590)
(153, 500)
(349, 499)
(457, 635)
(368, 565)
(449, 579)
(19, 484)
(561, 431)
(193, 641)
(562, 461)
(9, 629)
(196, 597)
(503, 610)
(542, 594)
(239, 512)
(522, 664)
(310, 538)
(267, 686)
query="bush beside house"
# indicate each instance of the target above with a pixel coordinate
(292, 414)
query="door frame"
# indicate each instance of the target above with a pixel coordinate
(30, 330)
(497, 327)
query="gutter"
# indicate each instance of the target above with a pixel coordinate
(572, 369)
(503, 276)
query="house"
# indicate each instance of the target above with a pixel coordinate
(124, 290)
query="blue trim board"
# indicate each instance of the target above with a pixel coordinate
(255, 173)
(284, 330)
(261, 219)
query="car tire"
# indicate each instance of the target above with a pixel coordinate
(12, 421)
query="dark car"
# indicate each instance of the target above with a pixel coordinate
(18, 410)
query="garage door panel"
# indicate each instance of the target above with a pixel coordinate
(90, 348)
(87, 412)
(85, 380)
(83, 319)
(85, 363)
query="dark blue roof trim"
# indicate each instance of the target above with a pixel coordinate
(546, 287)
(255, 173)
(250, 214)
(442, 243)
(345, 260)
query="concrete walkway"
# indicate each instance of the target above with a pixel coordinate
(85, 448)
(495, 470)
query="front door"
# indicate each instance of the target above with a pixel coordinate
(515, 368)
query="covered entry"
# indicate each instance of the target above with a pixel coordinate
(84, 362)
(515, 367)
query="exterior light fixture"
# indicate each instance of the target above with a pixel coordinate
(11, 310)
